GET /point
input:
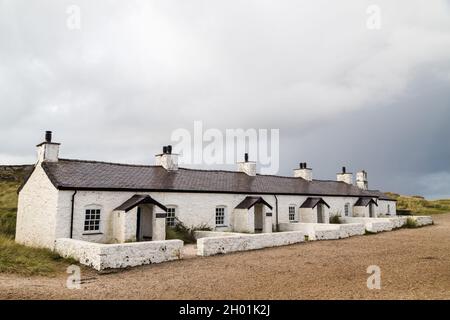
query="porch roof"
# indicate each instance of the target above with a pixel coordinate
(138, 199)
(249, 202)
(313, 202)
(364, 202)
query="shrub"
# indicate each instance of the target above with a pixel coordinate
(411, 223)
(335, 219)
(183, 232)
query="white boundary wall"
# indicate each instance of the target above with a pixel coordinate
(325, 231)
(113, 256)
(372, 224)
(207, 234)
(422, 220)
(225, 244)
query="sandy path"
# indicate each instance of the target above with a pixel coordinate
(415, 263)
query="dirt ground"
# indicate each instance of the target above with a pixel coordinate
(415, 264)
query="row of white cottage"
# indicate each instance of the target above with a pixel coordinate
(117, 203)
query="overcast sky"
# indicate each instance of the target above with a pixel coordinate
(340, 93)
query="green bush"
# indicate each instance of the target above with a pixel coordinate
(183, 232)
(411, 223)
(335, 219)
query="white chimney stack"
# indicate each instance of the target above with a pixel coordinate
(167, 159)
(345, 176)
(361, 180)
(248, 167)
(303, 172)
(48, 150)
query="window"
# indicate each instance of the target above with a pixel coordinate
(92, 220)
(170, 220)
(220, 216)
(347, 209)
(291, 213)
(388, 209)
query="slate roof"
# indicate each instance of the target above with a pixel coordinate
(364, 202)
(138, 199)
(93, 175)
(313, 202)
(249, 202)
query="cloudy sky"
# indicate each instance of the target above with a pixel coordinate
(340, 93)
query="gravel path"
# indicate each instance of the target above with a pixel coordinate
(415, 264)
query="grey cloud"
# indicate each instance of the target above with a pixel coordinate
(137, 70)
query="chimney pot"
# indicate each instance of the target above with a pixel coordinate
(48, 136)
(246, 157)
(169, 149)
(343, 170)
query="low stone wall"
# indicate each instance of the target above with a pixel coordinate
(372, 224)
(206, 234)
(325, 231)
(351, 229)
(397, 222)
(421, 220)
(114, 256)
(225, 244)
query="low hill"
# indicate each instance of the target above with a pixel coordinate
(420, 205)
(10, 179)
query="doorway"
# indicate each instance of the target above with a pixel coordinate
(258, 210)
(372, 210)
(144, 223)
(320, 213)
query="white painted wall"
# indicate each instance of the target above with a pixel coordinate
(114, 256)
(218, 245)
(37, 210)
(382, 208)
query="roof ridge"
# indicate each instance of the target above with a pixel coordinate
(107, 162)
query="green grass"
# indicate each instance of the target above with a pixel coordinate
(8, 207)
(420, 206)
(16, 258)
(19, 259)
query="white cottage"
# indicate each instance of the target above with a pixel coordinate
(116, 203)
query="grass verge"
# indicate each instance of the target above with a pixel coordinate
(19, 259)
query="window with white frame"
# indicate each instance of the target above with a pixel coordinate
(92, 220)
(220, 216)
(292, 213)
(170, 219)
(347, 209)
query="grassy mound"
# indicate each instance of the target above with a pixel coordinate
(419, 205)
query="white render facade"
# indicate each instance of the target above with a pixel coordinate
(49, 209)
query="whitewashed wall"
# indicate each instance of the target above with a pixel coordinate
(219, 245)
(36, 211)
(193, 209)
(114, 256)
(382, 208)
